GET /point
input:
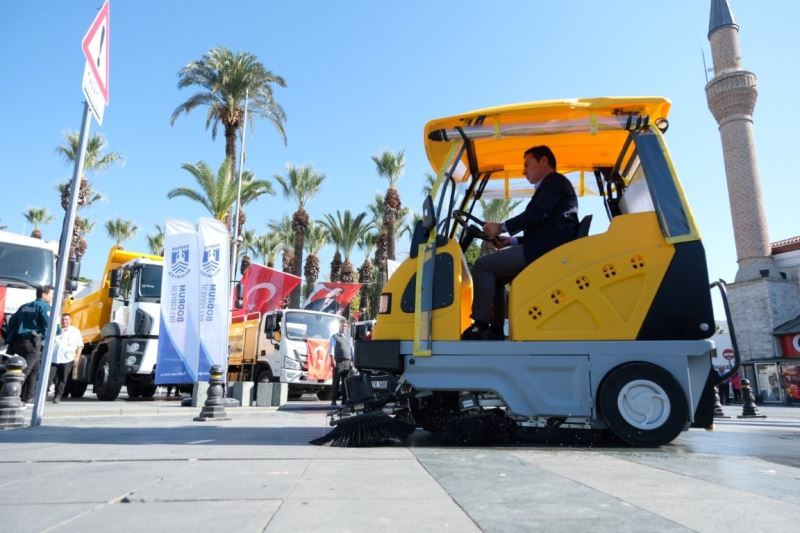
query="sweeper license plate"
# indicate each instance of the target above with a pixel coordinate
(380, 384)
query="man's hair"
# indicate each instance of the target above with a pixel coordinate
(66, 315)
(542, 151)
(41, 291)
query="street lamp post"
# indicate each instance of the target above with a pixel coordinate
(236, 237)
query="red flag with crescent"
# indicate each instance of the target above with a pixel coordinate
(320, 363)
(331, 297)
(264, 288)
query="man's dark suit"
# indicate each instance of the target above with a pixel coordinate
(550, 219)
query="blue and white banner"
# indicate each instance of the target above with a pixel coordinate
(178, 341)
(214, 294)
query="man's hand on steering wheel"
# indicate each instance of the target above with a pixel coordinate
(463, 218)
(492, 229)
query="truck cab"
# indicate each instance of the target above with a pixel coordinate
(119, 323)
(287, 346)
(135, 317)
(25, 263)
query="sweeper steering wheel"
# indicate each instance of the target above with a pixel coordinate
(475, 230)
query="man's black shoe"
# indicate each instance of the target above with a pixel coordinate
(479, 331)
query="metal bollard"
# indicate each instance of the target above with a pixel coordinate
(214, 408)
(718, 412)
(749, 409)
(10, 404)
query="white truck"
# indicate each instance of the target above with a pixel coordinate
(25, 263)
(274, 347)
(119, 323)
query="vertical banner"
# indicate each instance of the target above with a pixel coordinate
(178, 340)
(213, 246)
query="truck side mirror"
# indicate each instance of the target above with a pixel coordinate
(73, 269)
(269, 326)
(239, 303)
(73, 274)
(115, 279)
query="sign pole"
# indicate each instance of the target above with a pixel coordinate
(61, 272)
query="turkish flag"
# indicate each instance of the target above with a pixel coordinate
(320, 363)
(264, 289)
(331, 297)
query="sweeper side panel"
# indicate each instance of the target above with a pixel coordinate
(552, 378)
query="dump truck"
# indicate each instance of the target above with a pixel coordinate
(119, 323)
(287, 346)
(608, 332)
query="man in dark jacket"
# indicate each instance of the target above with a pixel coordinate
(549, 220)
(26, 330)
(341, 350)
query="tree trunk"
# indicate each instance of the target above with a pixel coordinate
(231, 133)
(364, 278)
(336, 266)
(390, 240)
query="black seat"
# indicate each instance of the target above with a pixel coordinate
(583, 227)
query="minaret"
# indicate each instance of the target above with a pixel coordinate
(761, 298)
(731, 98)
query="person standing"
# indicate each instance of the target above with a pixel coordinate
(736, 383)
(341, 350)
(26, 330)
(69, 347)
(550, 219)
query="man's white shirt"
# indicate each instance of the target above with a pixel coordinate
(69, 342)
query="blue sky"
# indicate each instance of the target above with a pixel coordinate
(364, 75)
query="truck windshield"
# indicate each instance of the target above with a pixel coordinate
(25, 266)
(301, 326)
(150, 282)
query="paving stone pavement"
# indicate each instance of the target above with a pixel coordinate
(127, 466)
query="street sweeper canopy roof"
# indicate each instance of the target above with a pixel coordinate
(584, 134)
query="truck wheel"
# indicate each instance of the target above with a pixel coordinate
(643, 404)
(106, 386)
(148, 391)
(134, 390)
(264, 376)
(325, 394)
(77, 389)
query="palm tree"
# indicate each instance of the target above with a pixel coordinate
(96, 158)
(224, 78)
(346, 230)
(284, 234)
(218, 193)
(391, 165)
(120, 230)
(248, 238)
(365, 272)
(156, 241)
(86, 225)
(496, 210)
(430, 179)
(38, 216)
(301, 184)
(316, 237)
(266, 247)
